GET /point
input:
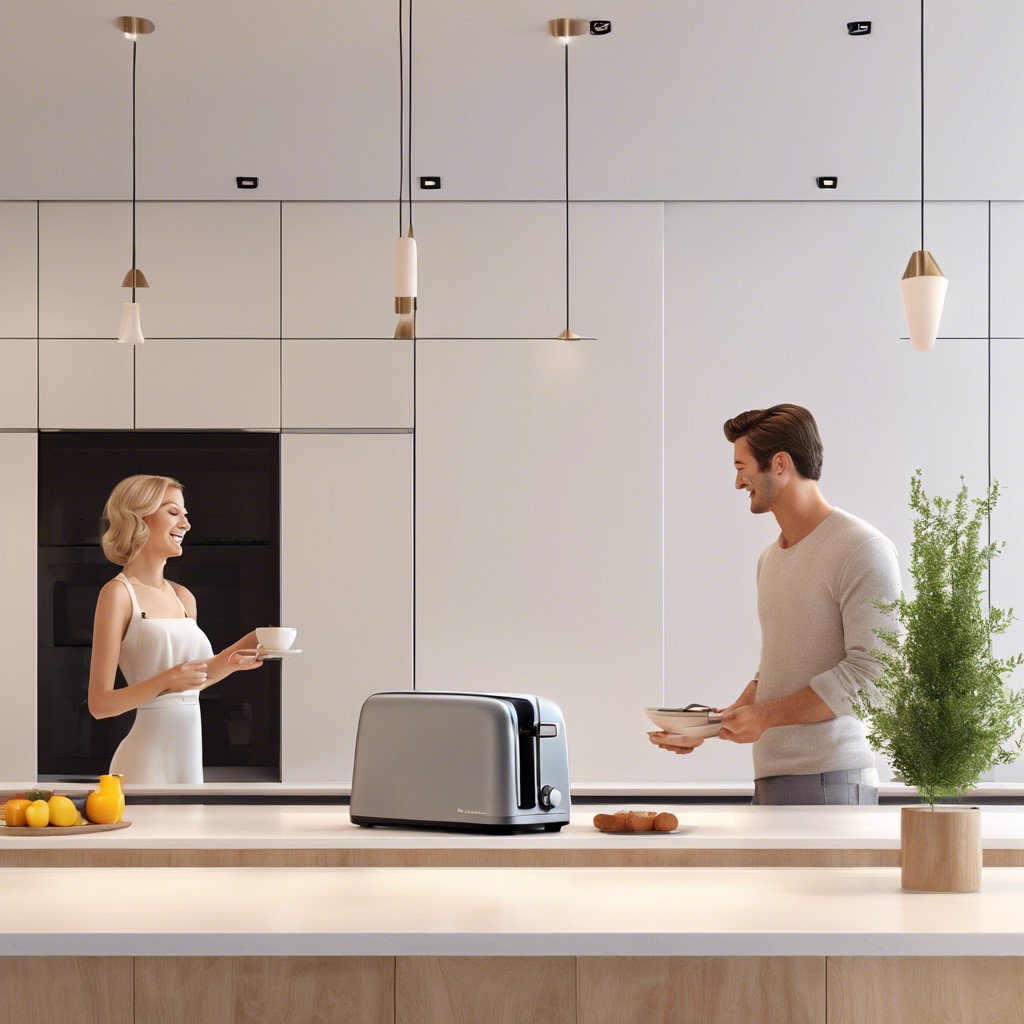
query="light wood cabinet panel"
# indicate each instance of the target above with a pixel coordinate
(86, 384)
(496, 990)
(19, 528)
(347, 383)
(18, 270)
(936, 989)
(346, 585)
(712, 990)
(69, 989)
(221, 384)
(19, 358)
(264, 990)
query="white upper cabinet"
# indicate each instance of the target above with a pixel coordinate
(491, 270)
(346, 586)
(214, 269)
(85, 384)
(769, 303)
(85, 249)
(538, 496)
(193, 384)
(18, 270)
(337, 279)
(973, 100)
(745, 100)
(1007, 270)
(347, 383)
(18, 397)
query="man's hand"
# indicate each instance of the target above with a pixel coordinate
(745, 724)
(676, 744)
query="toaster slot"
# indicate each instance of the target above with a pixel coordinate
(527, 720)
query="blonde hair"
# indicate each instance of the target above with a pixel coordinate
(133, 498)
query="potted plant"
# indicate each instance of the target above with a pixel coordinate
(941, 712)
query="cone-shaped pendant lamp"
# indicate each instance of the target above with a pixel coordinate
(923, 286)
(563, 29)
(131, 320)
(405, 263)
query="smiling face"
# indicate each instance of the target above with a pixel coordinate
(168, 525)
(761, 485)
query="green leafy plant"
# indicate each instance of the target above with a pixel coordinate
(940, 711)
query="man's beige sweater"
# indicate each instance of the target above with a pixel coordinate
(814, 601)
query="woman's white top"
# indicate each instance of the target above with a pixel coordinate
(165, 745)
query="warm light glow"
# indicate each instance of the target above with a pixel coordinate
(131, 35)
(405, 268)
(131, 325)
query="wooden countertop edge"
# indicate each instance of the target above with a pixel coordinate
(281, 858)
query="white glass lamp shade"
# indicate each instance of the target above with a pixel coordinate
(924, 292)
(131, 325)
(405, 268)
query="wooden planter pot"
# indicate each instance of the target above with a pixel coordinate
(941, 848)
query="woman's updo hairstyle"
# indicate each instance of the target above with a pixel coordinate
(133, 498)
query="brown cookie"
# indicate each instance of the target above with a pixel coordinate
(611, 822)
(665, 822)
(640, 821)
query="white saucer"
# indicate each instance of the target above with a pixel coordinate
(275, 655)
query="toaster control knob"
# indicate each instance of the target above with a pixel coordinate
(550, 797)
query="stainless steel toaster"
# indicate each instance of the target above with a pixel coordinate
(493, 762)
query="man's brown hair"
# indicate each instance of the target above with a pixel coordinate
(782, 428)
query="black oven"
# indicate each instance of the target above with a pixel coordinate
(231, 563)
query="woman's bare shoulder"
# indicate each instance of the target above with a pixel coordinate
(185, 596)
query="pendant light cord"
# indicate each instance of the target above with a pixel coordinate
(922, 125)
(409, 146)
(135, 55)
(401, 117)
(567, 185)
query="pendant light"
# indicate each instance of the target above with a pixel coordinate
(131, 321)
(923, 286)
(405, 265)
(563, 29)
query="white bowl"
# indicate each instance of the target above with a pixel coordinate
(684, 723)
(276, 638)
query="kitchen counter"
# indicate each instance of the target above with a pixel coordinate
(219, 835)
(502, 912)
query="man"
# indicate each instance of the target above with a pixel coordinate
(816, 588)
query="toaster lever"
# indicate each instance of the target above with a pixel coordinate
(545, 729)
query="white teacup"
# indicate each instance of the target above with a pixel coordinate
(276, 638)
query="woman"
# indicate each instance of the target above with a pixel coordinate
(147, 625)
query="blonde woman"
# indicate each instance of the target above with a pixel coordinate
(147, 625)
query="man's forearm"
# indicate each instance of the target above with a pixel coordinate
(804, 707)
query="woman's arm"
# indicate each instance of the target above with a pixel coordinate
(113, 613)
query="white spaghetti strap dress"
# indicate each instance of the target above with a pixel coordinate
(165, 744)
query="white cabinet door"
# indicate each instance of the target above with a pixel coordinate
(192, 384)
(18, 270)
(18, 532)
(1007, 270)
(18, 397)
(539, 504)
(346, 585)
(85, 384)
(770, 303)
(347, 383)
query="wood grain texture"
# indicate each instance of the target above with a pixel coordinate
(485, 990)
(64, 989)
(466, 858)
(264, 990)
(941, 849)
(933, 989)
(711, 990)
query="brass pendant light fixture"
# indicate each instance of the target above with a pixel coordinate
(923, 285)
(131, 320)
(563, 29)
(405, 257)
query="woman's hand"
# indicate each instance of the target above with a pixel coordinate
(675, 743)
(189, 675)
(245, 658)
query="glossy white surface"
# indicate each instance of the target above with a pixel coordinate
(233, 826)
(502, 912)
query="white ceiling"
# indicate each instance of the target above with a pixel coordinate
(685, 99)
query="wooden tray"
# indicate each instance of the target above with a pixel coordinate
(59, 830)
